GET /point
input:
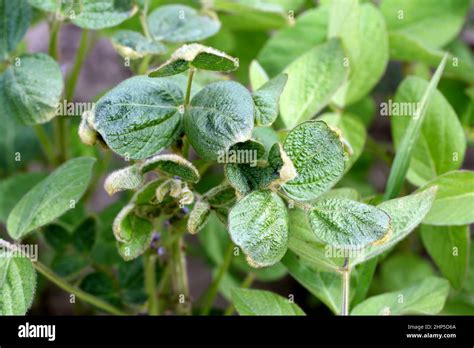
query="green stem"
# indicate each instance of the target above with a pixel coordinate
(45, 143)
(346, 276)
(53, 48)
(214, 288)
(163, 284)
(81, 55)
(180, 278)
(188, 87)
(84, 296)
(143, 68)
(150, 282)
(245, 284)
(143, 20)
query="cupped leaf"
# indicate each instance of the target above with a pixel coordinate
(261, 302)
(222, 195)
(24, 84)
(134, 45)
(453, 203)
(258, 224)
(171, 164)
(449, 248)
(140, 117)
(140, 237)
(318, 156)
(49, 199)
(348, 224)
(85, 234)
(426, 297)
(266, 99)
(17, 282)
(15, 19)
(100, 14)
(196, 56)
(220, 115)
(198, 217)
(128, 178)
(179, 23)
(313, 79)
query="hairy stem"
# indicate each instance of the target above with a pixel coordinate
(188, 87)
(346, 276)
(53, 47)
(84, 296)
(150, 282)
(180, 278)
(214, 288)
(245, 284)
(45, 143)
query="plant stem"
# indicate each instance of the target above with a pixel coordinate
(245, 284)
(188, 87)
(143, 20)
(346, 277)
(150, 282)
(214, 288)
(81, 55)
(143, 68)
(84, 296)
(55, 28)
(46, 145)
(180, 278)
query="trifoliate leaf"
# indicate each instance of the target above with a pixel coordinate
(220, 115)
(140, 117)
(266, 100)
(172, 165)
(221, 196)
(128, 178)
(179, 23)
(258, 224)
(196, 56)
(134, 45)
(198, 217)
(318, 156)
(15, 19)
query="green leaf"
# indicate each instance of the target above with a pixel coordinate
(309, 30)
(449, 248)
(427, 297)
(134, 45)
(342, 193)
(406, 213)
(405, 149)
(433, 24)
(100, 14)
(15, 187)
(353, 132)
(220, 115)
(179, 23)
(139, 234)
(222, 195)
(128, 178)
(453, 203)
(46, 5)
(69, 264)
(198, 217)
(17, 283)
(260, 302)
(56, 236)
(23, 88)
(257, 75)
(102, 286)
(313, 79)
(15, 19)
(196, 56)
(171, 164)
(266, 100)
(140, 117)
(348, 224)
(49, 199)
(441, 144)
(258, 224)
(318, 156)
(84, 236)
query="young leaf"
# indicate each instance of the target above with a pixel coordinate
(258, 224)
(128, 178)
(441, 144)
(427, 297)
(220, 115)
(257, 75)
(17, 283)
(196, 56)
(134, 45)
(198, 217)
(135, 234)
(100, 14)
(260, 302)
(348, 224)
(49, 199)
(313, 79)
(140, 117)
(179, 23)
(453, 203)
(15, 18)
(449, 248)
(266, 100)
(222, 195)
(24, 88)
(403, 156)
(318, 156)
(173, 165)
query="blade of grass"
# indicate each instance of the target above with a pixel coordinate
(402, 157)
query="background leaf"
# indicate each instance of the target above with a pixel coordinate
(260, 302)
(15, 18)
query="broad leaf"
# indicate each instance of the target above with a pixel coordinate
(318, 156)
(258, 224)
(140, 117)
(173, 165)
(260, 302)
(17, 283)
(449, 248)
(85, 234)
(128, 178)
(179, 23)
(453, 203)
(257, 75)
(24, 84)
(220, 115)
(313, 79)
(427, 297)
(15, 18)
(134, 45)
(49, 199)
(196, 56)
(100, 14)
(348, 224)
(266, 100)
